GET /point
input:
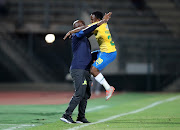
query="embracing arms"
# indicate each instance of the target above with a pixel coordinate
(84, 28)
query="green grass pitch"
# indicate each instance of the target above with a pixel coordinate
(163, 116)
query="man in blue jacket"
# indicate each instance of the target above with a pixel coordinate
(79, 70)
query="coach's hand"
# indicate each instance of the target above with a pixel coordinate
(67, 35)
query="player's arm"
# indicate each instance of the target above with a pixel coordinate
(88, 30)
(74, 31)
(89, 35)
(84, 28)
(105, 19)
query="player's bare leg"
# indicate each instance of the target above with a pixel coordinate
(94, 71)
(100, 78)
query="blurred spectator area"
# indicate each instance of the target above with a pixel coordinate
(3, 8)
(147, 42)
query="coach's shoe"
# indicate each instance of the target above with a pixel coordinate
(109, 92)
(67, 119)
(82, 120)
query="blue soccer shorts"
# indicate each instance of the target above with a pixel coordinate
(103, 59)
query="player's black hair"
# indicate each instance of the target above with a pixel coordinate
(98, 14)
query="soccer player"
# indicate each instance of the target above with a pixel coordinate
(107, 52)
(80, 70)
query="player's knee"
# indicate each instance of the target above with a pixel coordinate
(92, 71)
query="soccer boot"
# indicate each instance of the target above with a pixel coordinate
(82, 120)
(109, 92)
(67, 119)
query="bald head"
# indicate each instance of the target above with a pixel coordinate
(78, 23)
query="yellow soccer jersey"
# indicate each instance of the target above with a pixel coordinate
(103, 37)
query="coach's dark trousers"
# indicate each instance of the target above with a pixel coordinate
(82, 84)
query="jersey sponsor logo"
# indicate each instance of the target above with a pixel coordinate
(99, 61)
(111, 42)
(85, 82)
(109, 37)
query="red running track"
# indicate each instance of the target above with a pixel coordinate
(34, 97)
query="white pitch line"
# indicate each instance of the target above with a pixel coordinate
(25, 125)
(128, 113)
(19, 126)
(96, 108)
(8, 124)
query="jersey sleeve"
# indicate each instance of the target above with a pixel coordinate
(79, 34)
(96, 30)
(92, 24)
(86, 31)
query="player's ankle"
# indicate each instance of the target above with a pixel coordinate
(108, 89)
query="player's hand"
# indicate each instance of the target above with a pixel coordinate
(67, 35)
(107, 16)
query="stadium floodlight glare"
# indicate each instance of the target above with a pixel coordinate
(50, 38)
